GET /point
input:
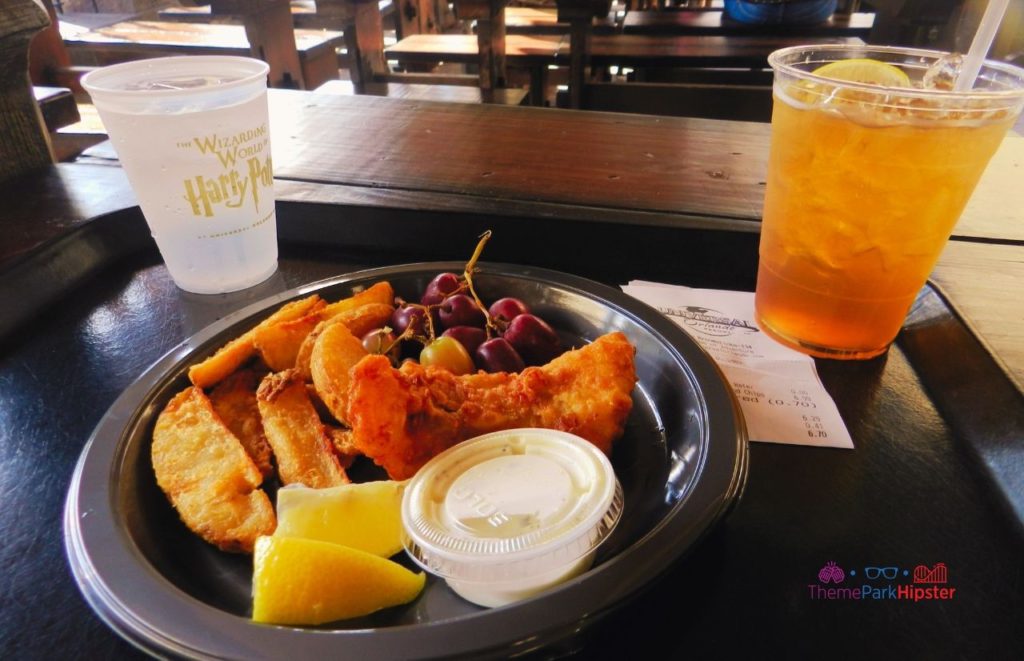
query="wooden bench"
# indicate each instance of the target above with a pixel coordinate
(304, 14)
(300, 58)
(58, 106)
(637, 50)
(370, 74)
(544, 21)
(428, 92)
(532, 54)
(629, 50)
(537, 53)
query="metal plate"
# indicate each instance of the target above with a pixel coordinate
(682, 463)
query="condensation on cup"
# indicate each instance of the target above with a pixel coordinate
(193, 137)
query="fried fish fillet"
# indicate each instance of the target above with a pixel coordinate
(401, 418)
(208, 476)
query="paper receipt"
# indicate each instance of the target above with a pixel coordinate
(778, 388)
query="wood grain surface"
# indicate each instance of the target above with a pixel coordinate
(604, 160)
(984, 282)
(617, 161)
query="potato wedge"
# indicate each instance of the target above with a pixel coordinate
(365, 318)
(235, 353)
(335, 352)
(359, 321)
(380, 292)
(207, 475)
(278, 344)
(234, 400)
(304, 452)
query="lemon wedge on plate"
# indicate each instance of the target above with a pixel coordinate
(864, 70)
(305, 581)
(364, 516)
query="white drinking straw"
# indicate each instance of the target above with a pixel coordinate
(979, 46)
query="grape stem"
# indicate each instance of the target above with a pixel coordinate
(489, 327)
(409, 333)
(384, 331)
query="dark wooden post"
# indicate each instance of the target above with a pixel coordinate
(271, 34)
(490, 38)
(364, 37)
(417, 17)
(24, 140)
(579, 14)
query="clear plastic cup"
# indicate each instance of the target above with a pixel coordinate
(865, 185)
(193, 137)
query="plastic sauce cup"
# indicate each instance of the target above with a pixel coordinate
(507, 515)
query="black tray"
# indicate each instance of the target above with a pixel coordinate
(933, 422)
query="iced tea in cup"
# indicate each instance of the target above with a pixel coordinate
(872, 160)
(192, 135)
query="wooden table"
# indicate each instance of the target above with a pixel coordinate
(936, 470)
(300, 58)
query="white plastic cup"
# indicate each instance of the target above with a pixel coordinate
(193, 137)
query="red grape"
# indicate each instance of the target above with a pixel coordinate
(506, 309)
(468, 336)
(409, 315)
(461, 310)
(533, 338)
(497, 355)
(443, 285)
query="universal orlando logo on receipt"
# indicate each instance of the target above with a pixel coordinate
(245, 172)
(708, 321)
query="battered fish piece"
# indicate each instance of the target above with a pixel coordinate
(401, 418)
(207, 475)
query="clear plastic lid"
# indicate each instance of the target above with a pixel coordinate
(510, 505)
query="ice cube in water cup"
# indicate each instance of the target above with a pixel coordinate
(193, 137)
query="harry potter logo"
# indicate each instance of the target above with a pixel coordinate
(246, 171)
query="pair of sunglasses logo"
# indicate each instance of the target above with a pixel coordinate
(884, 572)
(833, 573)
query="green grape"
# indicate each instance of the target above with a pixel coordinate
(446, 352)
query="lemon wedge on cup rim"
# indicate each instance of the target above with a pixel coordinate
(864, 70)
